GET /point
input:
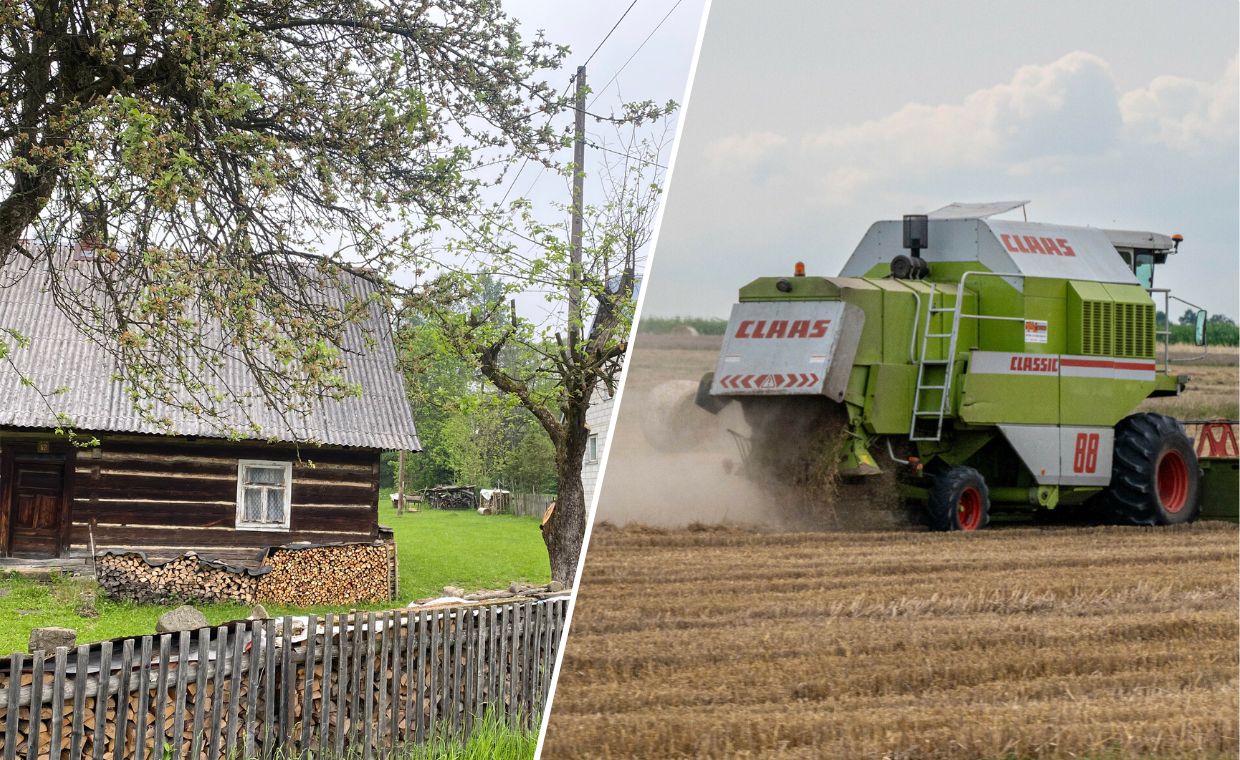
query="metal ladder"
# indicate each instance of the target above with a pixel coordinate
(935, 414)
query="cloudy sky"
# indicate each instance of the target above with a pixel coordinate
(810, 120)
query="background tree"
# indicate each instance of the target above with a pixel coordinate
(577, 342)
(225, 161)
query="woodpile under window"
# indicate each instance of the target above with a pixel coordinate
(294, 575)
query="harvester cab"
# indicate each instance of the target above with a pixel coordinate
(997, 364)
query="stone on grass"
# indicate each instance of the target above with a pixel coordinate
(183, 618)
(86, 605)
(47, 639)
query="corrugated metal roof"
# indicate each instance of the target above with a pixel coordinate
(61, 355)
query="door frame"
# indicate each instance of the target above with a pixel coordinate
(26, 452)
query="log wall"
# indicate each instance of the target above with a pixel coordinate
(166, 495)
(356, 685)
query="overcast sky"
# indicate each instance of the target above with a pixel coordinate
(808, 121)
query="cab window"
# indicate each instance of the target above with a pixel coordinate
(1144, 269)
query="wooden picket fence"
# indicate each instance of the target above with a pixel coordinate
(530, 504)
(356, 684)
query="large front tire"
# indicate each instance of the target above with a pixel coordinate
(958, 500)
(1155, 478)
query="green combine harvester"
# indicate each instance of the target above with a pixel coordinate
(996, 364)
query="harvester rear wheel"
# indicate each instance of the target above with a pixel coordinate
(1155, 478)
(958, 500)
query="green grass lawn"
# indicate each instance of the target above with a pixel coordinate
(434, 549)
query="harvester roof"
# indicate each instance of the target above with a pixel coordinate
(966, 233)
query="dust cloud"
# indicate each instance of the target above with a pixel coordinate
(673, 464)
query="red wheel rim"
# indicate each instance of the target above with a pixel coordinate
(1172, 481)
(969, 509)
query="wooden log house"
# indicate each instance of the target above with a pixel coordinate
(165, 491)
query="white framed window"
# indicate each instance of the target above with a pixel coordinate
(592, 449)
(264, 494)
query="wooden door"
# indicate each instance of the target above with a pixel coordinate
(36, 508)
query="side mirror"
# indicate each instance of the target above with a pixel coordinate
(1199, 328)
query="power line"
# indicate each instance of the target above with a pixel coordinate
(609, 33)
(597, 48)
(605, 149)
(635, 52)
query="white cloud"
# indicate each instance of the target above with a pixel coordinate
(1049, 120)
(1065, 108)
(1185, 114)
(745, 153)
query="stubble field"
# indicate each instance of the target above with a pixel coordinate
(1049, 643)
(757, 641)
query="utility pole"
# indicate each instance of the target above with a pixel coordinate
(574, 267)
(400, 484)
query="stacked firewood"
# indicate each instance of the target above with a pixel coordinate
(452, 497)
(187, 578)
(344, 574)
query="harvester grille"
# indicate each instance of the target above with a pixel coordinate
(1117, 329)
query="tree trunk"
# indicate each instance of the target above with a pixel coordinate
(566, 529)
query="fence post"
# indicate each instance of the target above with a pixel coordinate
(36, 703)
(234, 690)
(307, 699)
(77, 736)
(142, 710)
(253, 684)
(58, 702)
(219, 683)
(200, 691)
(16, 663)
(420, 692)
(325, 699)
(122, 698)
